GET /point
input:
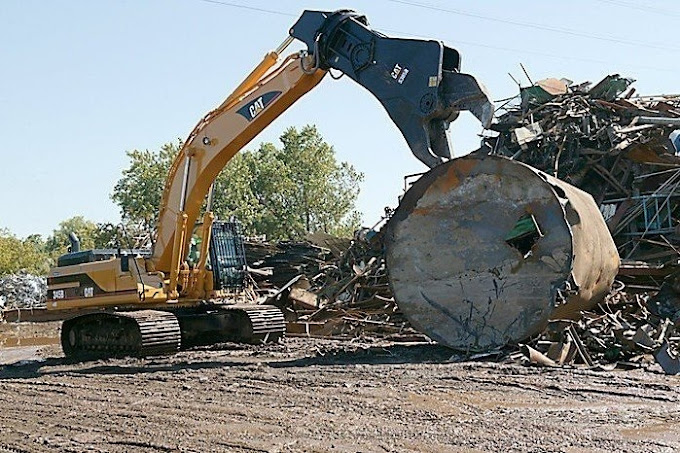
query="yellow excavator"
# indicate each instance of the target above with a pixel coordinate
(142, 302)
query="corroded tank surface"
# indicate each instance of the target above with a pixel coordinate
(483, 251)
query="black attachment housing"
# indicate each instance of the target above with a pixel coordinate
(417, 81)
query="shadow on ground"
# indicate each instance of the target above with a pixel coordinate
(393, 354)
(36, 368)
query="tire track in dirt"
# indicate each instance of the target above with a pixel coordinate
(286, 398)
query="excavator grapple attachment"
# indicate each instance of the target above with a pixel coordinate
(417, 81)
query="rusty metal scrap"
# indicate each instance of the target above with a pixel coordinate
(621, 148)
(340, 291)
(275, 264)
(484, 251)
(621, 331)
(630, 328)
(22, 290)
(669, 362)
(615, 146)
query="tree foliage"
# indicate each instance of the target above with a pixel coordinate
(138, 193)
(91, 235)
(36, 254)
(282, 192)
(58, 242)
(17, 254)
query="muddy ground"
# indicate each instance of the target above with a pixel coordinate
(322, 396)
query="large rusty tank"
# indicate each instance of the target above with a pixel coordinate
(484, 251)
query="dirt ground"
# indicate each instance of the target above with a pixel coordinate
(317, 395)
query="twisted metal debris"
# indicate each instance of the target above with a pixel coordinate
(340, 291)
(620, 148)
(22, 290)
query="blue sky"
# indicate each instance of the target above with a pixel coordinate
(81, 82)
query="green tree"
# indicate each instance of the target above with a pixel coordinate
(138, 193)
(36, 254)
(325, 191)
(233, 192)
(27, 254)
(289, 191)
(281, 192)
(86, 230)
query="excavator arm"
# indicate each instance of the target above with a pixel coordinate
(269, 90)
(417, 81)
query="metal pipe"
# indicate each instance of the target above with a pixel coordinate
(75, 242)
(185, 183)
(484, 251)
(286, 42)
(208, 206)
(662, 120)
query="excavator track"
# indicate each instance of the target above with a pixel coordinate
(243, 323)
(156, 332)
(266, 322)
(134, 333)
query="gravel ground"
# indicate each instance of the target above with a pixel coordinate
(318, 395)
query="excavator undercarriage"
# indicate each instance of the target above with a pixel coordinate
(154, 332)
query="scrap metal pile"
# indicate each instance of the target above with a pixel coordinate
(623, 150)
(346, 294)
(22, 290)
(620, 148)
(332, 287)
(626, 330)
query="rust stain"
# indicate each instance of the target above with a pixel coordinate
(11, 342)
(444, 184)
(421, 211)
(465, 167)
(451, 179)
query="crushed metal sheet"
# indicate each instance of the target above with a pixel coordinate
(670, 363)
